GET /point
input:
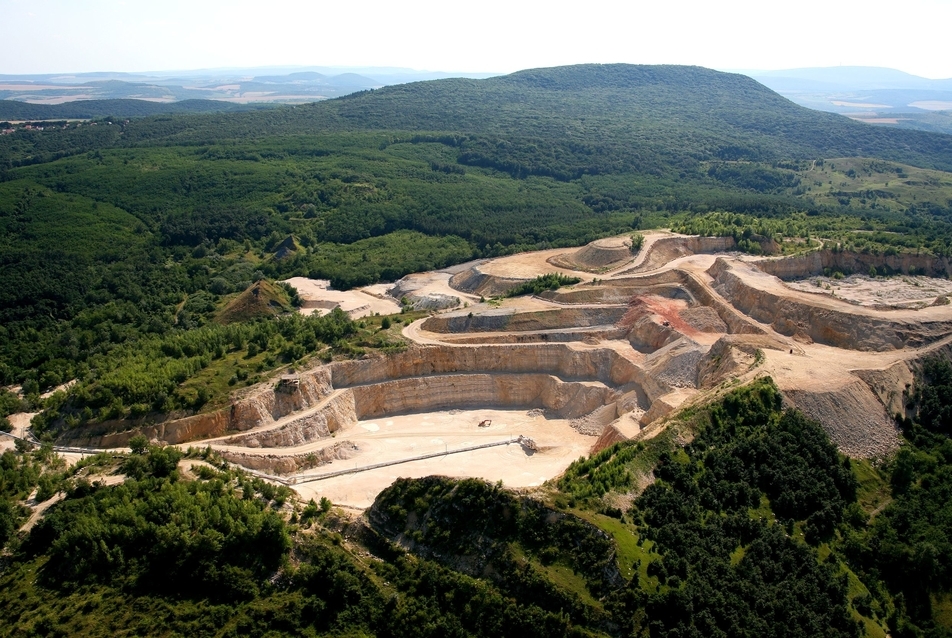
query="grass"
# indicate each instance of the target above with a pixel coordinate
(565, 578)
(562, 576)
(891, 186)
(221, 377)
(628, 552)
(942, 610)
(855, 590)
(874, 491)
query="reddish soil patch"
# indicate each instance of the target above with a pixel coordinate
(668, 311)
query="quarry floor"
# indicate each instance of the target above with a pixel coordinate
(407, 436)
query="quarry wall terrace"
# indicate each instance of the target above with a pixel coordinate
(605, 360)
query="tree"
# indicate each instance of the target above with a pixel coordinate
(139, 444)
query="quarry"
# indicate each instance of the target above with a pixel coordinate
(513, 389)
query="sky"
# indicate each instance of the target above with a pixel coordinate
(72, 36)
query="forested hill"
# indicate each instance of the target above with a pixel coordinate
(592, 119)
(567, 121)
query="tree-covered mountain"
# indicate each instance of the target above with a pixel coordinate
(569, 121)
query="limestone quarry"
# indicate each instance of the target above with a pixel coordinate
(514, 389)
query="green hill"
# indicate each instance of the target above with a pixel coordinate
(624, 117)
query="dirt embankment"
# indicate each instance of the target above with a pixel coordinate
(598, 256)
(665, 250)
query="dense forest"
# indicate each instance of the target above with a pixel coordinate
(755, 527)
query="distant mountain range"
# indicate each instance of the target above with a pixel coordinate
(871, 94)
(237, 86)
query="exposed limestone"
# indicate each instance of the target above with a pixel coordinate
(663, 406)
(563, 399)
(817, 262)
(462, 321)
(812, 322)
(183, 430)
(852, 416)
(263, 403)
(889, 385)
(333, 415)
(626, 427)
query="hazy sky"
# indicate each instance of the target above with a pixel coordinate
(43, 36)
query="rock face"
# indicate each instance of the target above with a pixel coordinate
(269, 403)
(829, 326)
(290, 463)
(813, 264)
(329, 417)
(566, 400)
(104, 435)
(569, 382)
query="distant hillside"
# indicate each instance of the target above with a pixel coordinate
(585, 119)
(90, 109)
(868, 94)
(285, 85)
(845, 78)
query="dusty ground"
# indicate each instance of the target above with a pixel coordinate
(405, 436)
(320, 298)
(902, 291)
